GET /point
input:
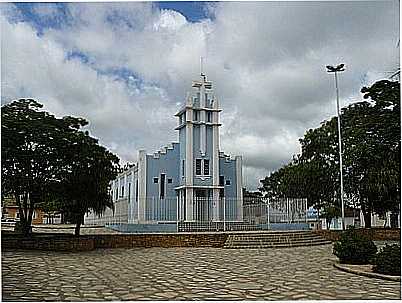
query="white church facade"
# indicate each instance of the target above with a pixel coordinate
(190, 180)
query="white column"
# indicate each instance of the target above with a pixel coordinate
(131, 201)
(125, 208)
(142, 183)
(189, 204)
(215, 161)
(189, 166)
(239, 188)
(202, 119)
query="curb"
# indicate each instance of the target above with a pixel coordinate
(367, 274)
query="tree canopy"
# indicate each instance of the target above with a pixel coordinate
(42, 155)
(371, 154)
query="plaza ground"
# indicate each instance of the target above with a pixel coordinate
(185, 274)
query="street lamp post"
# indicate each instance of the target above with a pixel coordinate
(335, 70)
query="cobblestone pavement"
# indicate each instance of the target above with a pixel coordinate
(185, 274)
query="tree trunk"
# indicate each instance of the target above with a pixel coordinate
(22, 226)
(77, 228)
(367, 219)
(319, 219)
(30, 213)
(80, 221)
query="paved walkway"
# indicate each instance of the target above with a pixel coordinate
(185, 274)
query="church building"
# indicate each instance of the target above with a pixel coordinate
(190, 180)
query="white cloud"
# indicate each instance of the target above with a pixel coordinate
(267, 61)
(170, 20)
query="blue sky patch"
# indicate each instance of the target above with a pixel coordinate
(193, 10)
(75, 54)
(41, 22)
(59, 16)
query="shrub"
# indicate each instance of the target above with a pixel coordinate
(354, 248)
(388, 260)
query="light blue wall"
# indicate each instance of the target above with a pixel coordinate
(197, 154)
(227, 168)
(167, 164)
(196, 141)
(209, 141)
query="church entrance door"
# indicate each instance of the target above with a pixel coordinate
(202, 205)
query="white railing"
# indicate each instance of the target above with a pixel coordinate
(226, 211)
(282, 210)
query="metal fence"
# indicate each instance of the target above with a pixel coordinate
(118, 216)
(282, 210)
(208, 214)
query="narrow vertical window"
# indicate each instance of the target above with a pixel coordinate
(117, 193)
(206, 167)
(128, 194)
(136, 190)
(221, 183)
(209, 117)
(198, 167)
(122, 191)
(196, 115)
(162, 186)
(183, 168)
(221, 180)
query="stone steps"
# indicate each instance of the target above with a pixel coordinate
(276, 236)
(281, 241)
(275, 240)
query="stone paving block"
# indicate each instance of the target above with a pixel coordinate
(169, 273)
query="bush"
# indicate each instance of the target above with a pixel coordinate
(354, 248)
(388, 260)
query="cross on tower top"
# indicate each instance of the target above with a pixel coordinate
(203, 81)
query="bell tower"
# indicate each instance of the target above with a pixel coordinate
(199, 149)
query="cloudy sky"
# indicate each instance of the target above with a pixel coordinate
(127, 66)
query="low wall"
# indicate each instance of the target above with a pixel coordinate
(375, 234)
(90, 242)
(289, 226)
(51, 242)
(144, 228)
(160, 240)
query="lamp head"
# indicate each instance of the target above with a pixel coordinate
(339, 68)
(330, 68)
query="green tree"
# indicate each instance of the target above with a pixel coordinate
(85, 186)
(301, 179)
(330, 212)
(372, 149)
(43, 155)
(320, 158)
(32, 152)
(371, 153)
